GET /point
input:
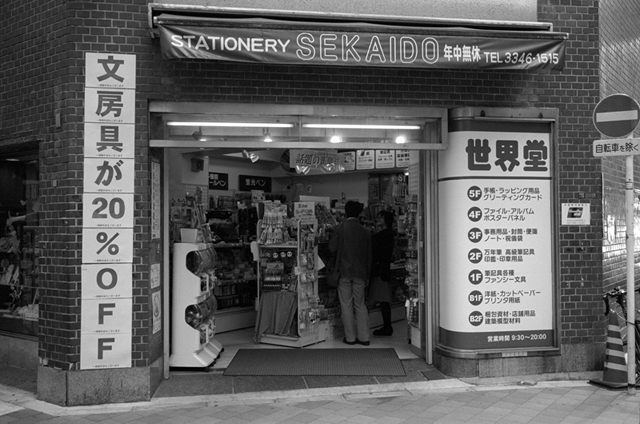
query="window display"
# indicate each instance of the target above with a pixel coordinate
(18, 248)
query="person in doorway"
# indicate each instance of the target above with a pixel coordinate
(353, 242)
(382, 243)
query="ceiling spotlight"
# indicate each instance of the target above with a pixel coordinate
(335, 139)
(197, 135)
(267, 137)
(251, 156)
(401, 139)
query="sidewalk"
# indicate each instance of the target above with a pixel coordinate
(438, 401)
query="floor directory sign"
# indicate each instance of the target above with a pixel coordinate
(495, 248)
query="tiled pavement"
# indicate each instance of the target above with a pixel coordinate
(437, 401)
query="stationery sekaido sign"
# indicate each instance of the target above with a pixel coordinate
(362, 48)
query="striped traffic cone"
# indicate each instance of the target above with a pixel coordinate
(615, 364)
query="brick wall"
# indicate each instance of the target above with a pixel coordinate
(619, 69)
(120, 27)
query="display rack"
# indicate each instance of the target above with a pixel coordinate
(194, 306)
(288, 312)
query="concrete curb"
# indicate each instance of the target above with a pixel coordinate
(13, 399)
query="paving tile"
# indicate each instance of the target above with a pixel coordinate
(315, 382)
(194, 385)
(265, 384)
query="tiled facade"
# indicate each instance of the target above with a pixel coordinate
(41, 100)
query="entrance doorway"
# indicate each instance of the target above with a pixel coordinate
(230, 173)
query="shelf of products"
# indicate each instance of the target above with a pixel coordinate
(289, 310)
(236, 286)
(194, 306)
(412, 264)
(18, 282)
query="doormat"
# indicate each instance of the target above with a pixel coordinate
(299, 362)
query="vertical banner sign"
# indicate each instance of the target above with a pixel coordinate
(495, 207)
(108, 202)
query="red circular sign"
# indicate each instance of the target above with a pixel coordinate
(617, 115)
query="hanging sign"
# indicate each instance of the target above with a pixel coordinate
(313, 158)
(253, 182)
(218, 181)
(361, 48)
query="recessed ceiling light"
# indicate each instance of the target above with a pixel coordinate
(229, 124)
(364, 126)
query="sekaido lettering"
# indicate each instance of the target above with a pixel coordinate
(331, 48)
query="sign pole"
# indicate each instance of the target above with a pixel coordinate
(631, 307)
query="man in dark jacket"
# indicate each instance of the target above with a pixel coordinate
(354, 265)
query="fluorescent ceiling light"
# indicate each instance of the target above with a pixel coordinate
(364, 126)
(230, 124)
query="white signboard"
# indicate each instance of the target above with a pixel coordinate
(108, 210)
(109, 106)
(403, 158)
(385, 159)
(616, 147)
(105, 351)
(108, 203)
(108, 70)
(156, 218)
(109, 175)
(104, 245)
(109, 140)
(365, 159)
(157, 311)
(576, 214)
(154, 276)
(103, 281)
(349, 161)
(304, 210)
(496, 264)
(106, 316)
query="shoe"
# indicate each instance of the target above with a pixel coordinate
(383, 332)
(345, 341)
(363, 343)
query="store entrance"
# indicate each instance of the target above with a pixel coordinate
(229, 194)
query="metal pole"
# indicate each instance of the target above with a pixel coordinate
(631, 306)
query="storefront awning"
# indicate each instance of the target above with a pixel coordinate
(297, 40)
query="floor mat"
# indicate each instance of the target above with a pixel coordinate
(300, 362)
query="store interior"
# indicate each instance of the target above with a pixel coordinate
(233, 189)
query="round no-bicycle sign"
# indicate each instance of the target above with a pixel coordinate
(617, 115)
